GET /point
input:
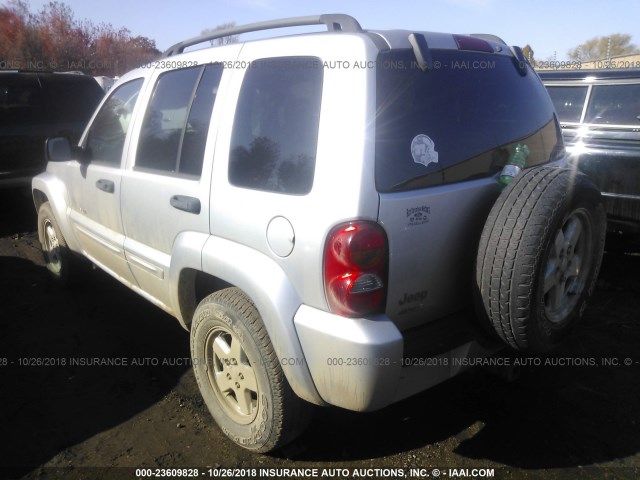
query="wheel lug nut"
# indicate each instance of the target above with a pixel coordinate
(228, 376)
(241, 376)
(237, 385)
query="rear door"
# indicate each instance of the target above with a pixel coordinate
(166, 186)
(442, 136)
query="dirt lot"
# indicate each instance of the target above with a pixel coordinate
(575, 419)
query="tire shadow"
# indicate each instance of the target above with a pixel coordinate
(17, 212)
(580, 408)
(67, 355)
(557, 416)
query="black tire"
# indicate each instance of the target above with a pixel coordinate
(539, 257)
(240, 377)
(57, 256)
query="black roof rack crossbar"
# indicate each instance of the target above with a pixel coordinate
(335, 22)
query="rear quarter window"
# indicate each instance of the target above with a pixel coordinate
(21, 101)
(458, 121)
(24, 122)
(275, 130)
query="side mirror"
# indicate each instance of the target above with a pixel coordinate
(57, 149)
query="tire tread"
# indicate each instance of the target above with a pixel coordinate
(512, 244)
(291, 415)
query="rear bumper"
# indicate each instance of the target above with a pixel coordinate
(359, 364)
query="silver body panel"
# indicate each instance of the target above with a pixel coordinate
(137, 236)
(432, 233)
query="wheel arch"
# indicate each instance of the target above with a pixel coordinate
(49, 188)
(221, 263)
(39, 197)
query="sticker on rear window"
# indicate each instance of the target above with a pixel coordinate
(423, 150)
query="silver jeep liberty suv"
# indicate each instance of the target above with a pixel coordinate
(324, 213)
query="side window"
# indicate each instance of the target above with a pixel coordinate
(109, 129)
(21, 102)
(176, 123)
(568, 102)
(614, 105)
(275, 130)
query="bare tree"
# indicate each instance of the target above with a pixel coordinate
(598, 48)
(222, 40)
(528, 53)
(54, 39)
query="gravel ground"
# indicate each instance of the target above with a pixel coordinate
(575, 415)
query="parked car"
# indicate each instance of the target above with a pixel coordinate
(324, 212)
(599, 112)
(37, 105)
(105, 82)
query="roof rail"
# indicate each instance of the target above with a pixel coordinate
(336, 22)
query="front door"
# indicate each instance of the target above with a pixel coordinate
(95, 183)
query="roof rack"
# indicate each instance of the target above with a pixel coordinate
(335, 22)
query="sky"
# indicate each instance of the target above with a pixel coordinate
(551, 27)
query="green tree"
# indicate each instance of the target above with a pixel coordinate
(598, 48)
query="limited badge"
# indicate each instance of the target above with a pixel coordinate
(423, 150)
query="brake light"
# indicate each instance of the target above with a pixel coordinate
(355, 268)
(472, 43)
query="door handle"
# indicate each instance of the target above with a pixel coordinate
(106, 185)
(185, 203)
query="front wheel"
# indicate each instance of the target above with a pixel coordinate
(57, 256)
(239, 375)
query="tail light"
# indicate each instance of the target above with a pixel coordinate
(355, 268)
(472, 43)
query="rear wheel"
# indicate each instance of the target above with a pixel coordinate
(539, 257)
(239, 374)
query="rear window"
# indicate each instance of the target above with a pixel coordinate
(614, 105)
(569, 102)
(457, 121)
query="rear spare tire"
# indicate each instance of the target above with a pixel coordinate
(539, 257)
